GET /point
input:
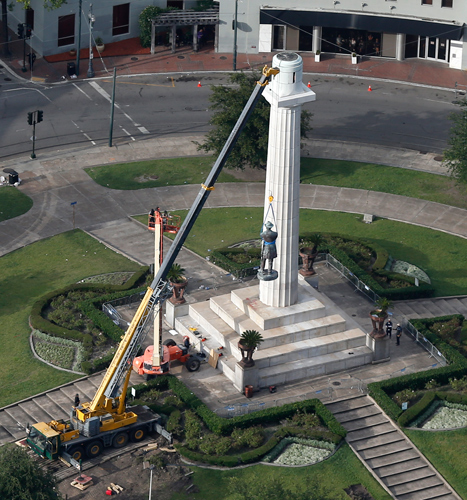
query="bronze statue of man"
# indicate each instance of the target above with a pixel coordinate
(268, 252)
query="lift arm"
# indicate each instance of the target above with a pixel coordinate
(118, 373)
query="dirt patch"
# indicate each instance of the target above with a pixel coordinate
(130, 471)
(358, 492)
(145, 178)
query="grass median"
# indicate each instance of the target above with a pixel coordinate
(13, 203)
(447, 452)
(442, 256)
(27, 274)
(350, 174)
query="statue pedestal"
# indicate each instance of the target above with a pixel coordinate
(380, 347)
(246, 376)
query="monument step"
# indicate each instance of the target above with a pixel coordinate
(313, 367)
(434, 493)
(203, 315)
(409, 476)
(310, 348)
(266, 317)
(385, 450)
(375, 430)
(382, 440)
(379, 463)
(358, 413)
(349, 404)
(416, 486)
(397, 468)
(365, 422)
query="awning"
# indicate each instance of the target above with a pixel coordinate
(187, 18)
(380, 24)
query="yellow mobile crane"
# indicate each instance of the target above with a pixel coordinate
(106, 421)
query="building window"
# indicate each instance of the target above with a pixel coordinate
(278, 37)
(121, 19)
(446, 3)
(66, 30)
(176, 4)
(427, 2)
(30, 17)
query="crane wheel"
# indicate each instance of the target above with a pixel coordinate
(169, 342)
(192, 364)
(94, 449)
(137, 435)
(76, 452)
(120, 440)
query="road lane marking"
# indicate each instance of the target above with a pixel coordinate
(81, 90)
(106, 95)
(84, 133)
(144, 130)
(128, 133)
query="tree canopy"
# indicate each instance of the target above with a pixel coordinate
(455, 157)
(228, 102)
(21, 478)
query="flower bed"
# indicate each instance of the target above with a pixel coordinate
(298, 451)
(448, 416)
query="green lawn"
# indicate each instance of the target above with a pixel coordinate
(13, 203)
(340, 471)
(447, 451)
(156, 173)
(27, 274)
(442, 256)
(194, 170)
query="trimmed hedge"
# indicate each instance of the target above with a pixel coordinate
(219, 258)
(226, 461)
(411, 414)
(224, 426)
(457, 368)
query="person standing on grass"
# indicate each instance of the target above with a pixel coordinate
(398, 334)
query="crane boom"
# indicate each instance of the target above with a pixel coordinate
(110, 396)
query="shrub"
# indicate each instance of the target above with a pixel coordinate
(252, 437)
(173, 424)
(417, 409)
(405, 396)
(458, 384)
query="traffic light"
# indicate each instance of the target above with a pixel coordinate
(28, 31)
(30, 115)
(40, 115)
(20, 30)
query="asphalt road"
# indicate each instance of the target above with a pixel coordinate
(157, 105)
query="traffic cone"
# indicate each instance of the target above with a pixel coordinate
(199, 84)
(309, 85)
(369, 88)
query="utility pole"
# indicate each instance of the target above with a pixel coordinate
(91, 23)
(112, 107)
(235, 37)
(78, 52)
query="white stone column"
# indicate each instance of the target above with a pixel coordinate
(286, 93)
(400, 46)
(317, 35)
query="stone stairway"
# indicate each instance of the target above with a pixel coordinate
(311, 338)
(384, 448)
(431, 307)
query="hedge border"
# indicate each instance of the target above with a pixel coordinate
(380, 391)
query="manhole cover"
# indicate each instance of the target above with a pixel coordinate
(181, 57)
(354, 315)
(335, 383)
(7, 79)
(222, 57)
(438, 158)
(134, 58)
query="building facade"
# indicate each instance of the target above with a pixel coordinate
(55, 31)
(400, 29)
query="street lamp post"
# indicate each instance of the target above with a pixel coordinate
(235, 37)
(91, 22)
(78, 53)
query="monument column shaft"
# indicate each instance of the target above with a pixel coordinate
(283, 183)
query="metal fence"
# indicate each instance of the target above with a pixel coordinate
(358, 283)
(109, 308)
(417, 336)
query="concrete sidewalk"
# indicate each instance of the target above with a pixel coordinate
(185, 60)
